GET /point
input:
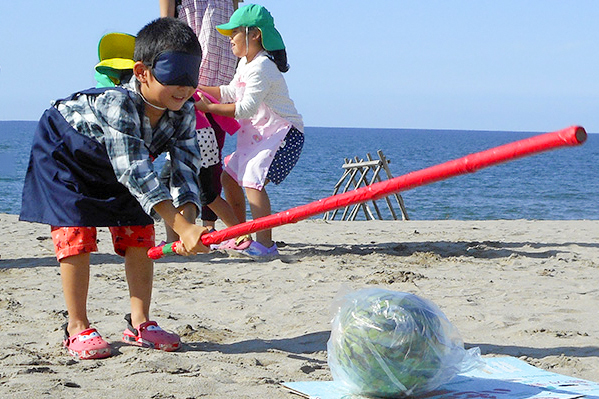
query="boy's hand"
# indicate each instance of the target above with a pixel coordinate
(182, 222)
(191, 240)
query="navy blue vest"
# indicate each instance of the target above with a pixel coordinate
(70, 180)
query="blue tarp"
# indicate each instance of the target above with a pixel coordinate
(500, 378)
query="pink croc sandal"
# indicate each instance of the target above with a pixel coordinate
(88, 344)
(235, 244)
(150, 335)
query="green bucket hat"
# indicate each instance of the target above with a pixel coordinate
(254, 15)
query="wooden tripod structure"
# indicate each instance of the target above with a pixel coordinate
(355, 175)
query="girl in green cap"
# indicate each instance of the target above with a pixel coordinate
(270, 139)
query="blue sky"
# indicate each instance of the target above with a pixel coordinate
(528, 65)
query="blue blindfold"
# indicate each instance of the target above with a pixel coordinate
(175, 68)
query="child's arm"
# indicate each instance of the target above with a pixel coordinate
(189, 233)
(214, 91)
(205, 105)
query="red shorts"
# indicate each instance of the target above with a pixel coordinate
(70, 241)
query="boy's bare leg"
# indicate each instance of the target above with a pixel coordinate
(139, 270)
(260, 207)
(234, 196)
(74, 272)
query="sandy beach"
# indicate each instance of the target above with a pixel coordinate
(521, 288)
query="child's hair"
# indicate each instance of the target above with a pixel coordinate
(165, 34)
(279, 57)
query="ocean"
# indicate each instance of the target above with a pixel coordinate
(558, 185)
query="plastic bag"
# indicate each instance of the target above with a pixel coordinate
(393, 344)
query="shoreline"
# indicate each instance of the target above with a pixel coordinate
(521, 288)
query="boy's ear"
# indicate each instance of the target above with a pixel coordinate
(141, 71)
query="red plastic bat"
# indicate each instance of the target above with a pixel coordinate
(572, 136)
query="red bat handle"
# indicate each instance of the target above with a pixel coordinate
(159, 251)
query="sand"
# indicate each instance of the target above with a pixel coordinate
(520, 288)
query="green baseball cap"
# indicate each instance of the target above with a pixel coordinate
(254, 15)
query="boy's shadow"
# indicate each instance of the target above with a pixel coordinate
(308, 343)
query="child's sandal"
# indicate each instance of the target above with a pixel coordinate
(257, 250)
(246, 238)
(236, 244)
(150, 335)
(88, 344)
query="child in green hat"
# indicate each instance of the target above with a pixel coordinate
(271, 136)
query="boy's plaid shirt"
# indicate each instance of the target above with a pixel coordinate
(117, 120)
